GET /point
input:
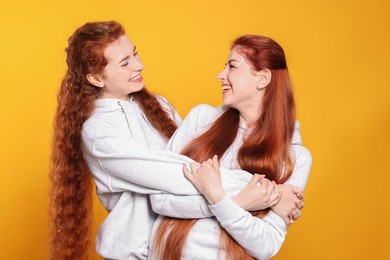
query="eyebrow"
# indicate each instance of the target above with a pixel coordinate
(125, 58)
(229, 61)
(128, 56)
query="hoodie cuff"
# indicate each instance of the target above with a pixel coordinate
(226, 210)
(276, 221)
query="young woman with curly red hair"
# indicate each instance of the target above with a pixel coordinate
(254, 132)
(108, 126)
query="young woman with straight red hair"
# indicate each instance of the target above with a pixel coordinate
(254, 131)
(108, 126)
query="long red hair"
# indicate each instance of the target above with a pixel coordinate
(264, 151)
(71, 184)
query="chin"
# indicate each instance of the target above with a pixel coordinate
(137, 88)
(226, 103)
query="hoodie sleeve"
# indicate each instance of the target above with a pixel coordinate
(303, 161)
(170, 109)
(260, 238)
(197, 207)
(121, 164)
(270, 231)
(197, 121)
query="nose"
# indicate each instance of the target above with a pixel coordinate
(137, 63)
(222, 75)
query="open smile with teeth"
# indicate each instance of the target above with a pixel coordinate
(135, 78)
(226, 87)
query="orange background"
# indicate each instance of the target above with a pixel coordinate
(339, 59)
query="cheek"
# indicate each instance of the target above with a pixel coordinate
(231, 77)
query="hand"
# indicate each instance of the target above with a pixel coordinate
(206, 177)
(258, 197)
(290, 204)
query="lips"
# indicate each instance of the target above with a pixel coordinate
(226, 88)
(137, 78)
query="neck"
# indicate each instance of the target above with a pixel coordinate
(250, 115)
(109, 96)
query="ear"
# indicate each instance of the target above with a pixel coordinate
(263, 78)
(95, 80)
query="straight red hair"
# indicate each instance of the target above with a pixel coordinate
(264, 151)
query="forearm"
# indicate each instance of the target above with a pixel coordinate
(186, 207)
(302, 167)
(262, 238)
(196, 206)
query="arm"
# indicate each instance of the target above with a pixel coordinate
(170, 109)
(195, 206)
(270, 230)
(291, 201)
(261, 238)
(197, 121)
(122, 164)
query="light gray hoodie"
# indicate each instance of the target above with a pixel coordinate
(124, 153)
(262, 238)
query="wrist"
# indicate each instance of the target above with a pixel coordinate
(238, 201)
(215, 197)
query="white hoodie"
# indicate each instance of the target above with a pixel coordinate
(262, 238)
(124, 153)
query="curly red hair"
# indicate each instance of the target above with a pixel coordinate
(264, 151)
(71, 184)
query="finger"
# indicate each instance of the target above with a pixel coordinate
(293, 214)
(275, 198)
(264, 185)
(255, 179)
(194, 167)
(297, 214)
(286, 221)
(215, 162)
(300, 204)
(290, 215)
(296, 190)
(187, 173)
(276, 188)
(276, 195)
(208, 166)
(271, 188)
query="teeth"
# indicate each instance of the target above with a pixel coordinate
(136, 77)
(226, 87)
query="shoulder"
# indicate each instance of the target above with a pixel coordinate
(167, 106)
(103, 124)
(302, 155)
(163, 101)
(299, 150)
(204, 114)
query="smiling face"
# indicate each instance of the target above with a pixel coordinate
(122, 74)
(240, 84)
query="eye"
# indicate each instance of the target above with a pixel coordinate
(124, 64)
(135, 53)
(230, 66)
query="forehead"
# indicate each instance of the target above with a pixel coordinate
(234, 54)
(119, 49)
